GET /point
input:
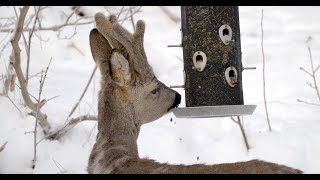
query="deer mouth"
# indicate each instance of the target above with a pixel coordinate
(176, 102)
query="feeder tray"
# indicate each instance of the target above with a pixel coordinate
(214, 111)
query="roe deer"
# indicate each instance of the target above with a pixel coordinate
(131, 96)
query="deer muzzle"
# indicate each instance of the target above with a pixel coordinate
(176, 102)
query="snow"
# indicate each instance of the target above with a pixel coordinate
(295, 137)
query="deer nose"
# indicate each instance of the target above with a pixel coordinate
(177, 101)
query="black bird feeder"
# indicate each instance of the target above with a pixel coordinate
(212, 63)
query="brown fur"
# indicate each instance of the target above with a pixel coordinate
(130, 96)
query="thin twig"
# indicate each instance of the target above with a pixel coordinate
(173, 17)
(29, 42)
(306, 102)
(132, 20)
(74, 11)
(64, 128)
(83, 93)
(120, 12)
(317, 69)
(242, 131)
(53, 28)
(133, 13)
(36, 124)
(3, 146)
(263, 69)
(71, 123)
(43, 102)
(314, 75)
(301, 68)
(28, 92)
(39, 105)
(310, 85)
(14, 104)
(34, 75)
(28, 132)
(57, 163)
(76, 48)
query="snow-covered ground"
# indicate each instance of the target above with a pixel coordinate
(295, 136)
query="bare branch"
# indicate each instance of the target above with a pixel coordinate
(28, 22)
(173, 17)
(34, 75)
(301, 68)
(44, 101)
(36, 124)
(29, 42)
(28, 92)
(120, 12)
(310, 85)
(73, 45)
(132, 20)
(17, 66)
(133, 13)
(314, 75)
(53, 28)
(74, 11)
(263, 75)
(83, 93)
(243, 133)
(10, 78)
(58, 165)
(71, 123)
(233, 120)
(39, 104)
(3, 146)
(238, 121)
(16, 52)
(50, 28)
(13, 104)
(306, 102)
(317, 69)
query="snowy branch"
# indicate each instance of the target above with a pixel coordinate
(71, 123)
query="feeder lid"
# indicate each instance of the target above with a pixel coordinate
(214, 111)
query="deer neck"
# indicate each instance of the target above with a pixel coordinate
(116, 123)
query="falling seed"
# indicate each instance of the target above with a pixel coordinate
(171, 120)
(197, 157)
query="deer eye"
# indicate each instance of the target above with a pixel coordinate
(155, 91)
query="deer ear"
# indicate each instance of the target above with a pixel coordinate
(120, 68)
(100, 50)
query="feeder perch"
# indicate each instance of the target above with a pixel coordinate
(212, 63)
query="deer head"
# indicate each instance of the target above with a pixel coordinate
(125, 70)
